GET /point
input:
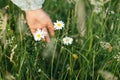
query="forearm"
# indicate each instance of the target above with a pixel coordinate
(28, 4)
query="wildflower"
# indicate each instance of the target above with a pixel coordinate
(67, 40)
(75, 56)
(117, 57)
(59, 25)
(105, 45)
(40, 34)
(97, 9)
(9, 41)
(97, 5)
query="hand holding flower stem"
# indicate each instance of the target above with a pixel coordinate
(39, 19)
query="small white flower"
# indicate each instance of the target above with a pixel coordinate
(59, 25)
(97, 5)
(67, 40)
(40, 34)
(97, 9)
(39, 70)
(117, 57)
(105, 45)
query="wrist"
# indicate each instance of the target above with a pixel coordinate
(30, 11)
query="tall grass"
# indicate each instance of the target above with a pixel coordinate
(22, 58)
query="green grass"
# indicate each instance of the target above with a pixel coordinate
(55, 60)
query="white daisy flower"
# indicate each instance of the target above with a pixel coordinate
(59, 25)
(67, 40)
(40, 34)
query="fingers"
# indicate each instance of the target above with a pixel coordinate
(34, 28)
(51, 28)
(47, 38)
(33, 31)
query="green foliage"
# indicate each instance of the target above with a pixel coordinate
(22, 58)
(3, 3)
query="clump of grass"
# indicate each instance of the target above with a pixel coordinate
(22, 58)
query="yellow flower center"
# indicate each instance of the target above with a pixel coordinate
(38, 35)
(59, 24)
(67, 40)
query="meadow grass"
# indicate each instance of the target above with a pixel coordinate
(93, 55)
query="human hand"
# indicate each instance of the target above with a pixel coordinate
(39, 19)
